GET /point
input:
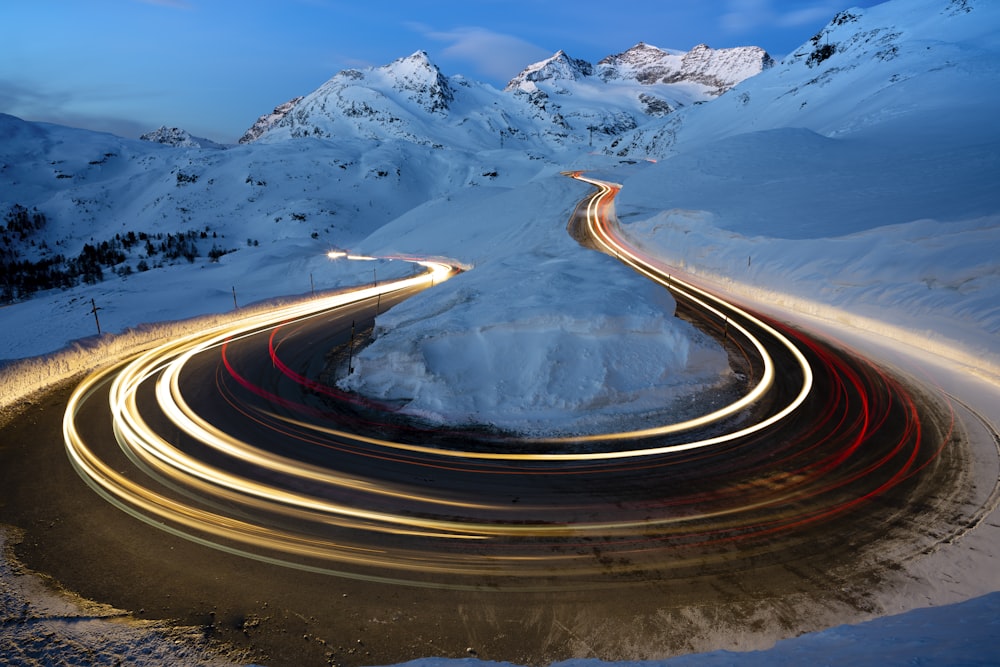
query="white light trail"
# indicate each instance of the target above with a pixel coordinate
(253, 501)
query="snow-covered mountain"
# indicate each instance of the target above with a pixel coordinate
(868, 68)
(407, 100)
(95, 190)
(627, 91)
(556, 68)
(716, 69)
(553, 103)
(175, 136)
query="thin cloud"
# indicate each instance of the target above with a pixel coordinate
(496, 55)
(742, 16)
(59, 107)
(809, 15)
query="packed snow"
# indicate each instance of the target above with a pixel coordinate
(531, 340)
(854, 186)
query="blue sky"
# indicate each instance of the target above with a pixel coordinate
(213, 66)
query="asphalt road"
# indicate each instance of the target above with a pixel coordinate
(319, 528)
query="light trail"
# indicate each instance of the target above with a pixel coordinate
(272, 463)
(598, 222)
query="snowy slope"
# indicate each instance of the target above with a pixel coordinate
(92, 187)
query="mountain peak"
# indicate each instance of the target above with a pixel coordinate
(558, 67)
(637, 55)
(718, 69)
(551, 98)
(175, 136)
(421, 80)
(417, 63)
(418, 58)
(724, 68)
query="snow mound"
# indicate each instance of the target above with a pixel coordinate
(548, 338)
(538, 369)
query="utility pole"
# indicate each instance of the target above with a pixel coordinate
(94, 309)
(350, 352)
(312, 285)
(235, 305)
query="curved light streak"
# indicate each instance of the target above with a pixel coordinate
(243, 496)
(617, 247)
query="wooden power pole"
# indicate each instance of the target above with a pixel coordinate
(94, 309)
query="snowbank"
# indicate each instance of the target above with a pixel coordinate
(543, 336)
(40, 627)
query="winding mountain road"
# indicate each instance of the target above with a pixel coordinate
(239, 439)
(254, 478)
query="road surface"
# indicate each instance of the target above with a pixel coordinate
(239, 439)
(272, 509)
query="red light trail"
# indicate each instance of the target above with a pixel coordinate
(234, 439)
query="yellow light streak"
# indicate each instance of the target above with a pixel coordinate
(199, 498)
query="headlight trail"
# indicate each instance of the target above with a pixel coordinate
(235, 438)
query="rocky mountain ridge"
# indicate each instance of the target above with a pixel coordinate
(555, 102)
(175, 136)
(264, 122)
(716, 69)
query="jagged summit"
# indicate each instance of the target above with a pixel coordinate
(409, 100)
(175, 136)
(422, 80)
(638, 56)
(558, 67)
(717, 69)
(722, 68)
